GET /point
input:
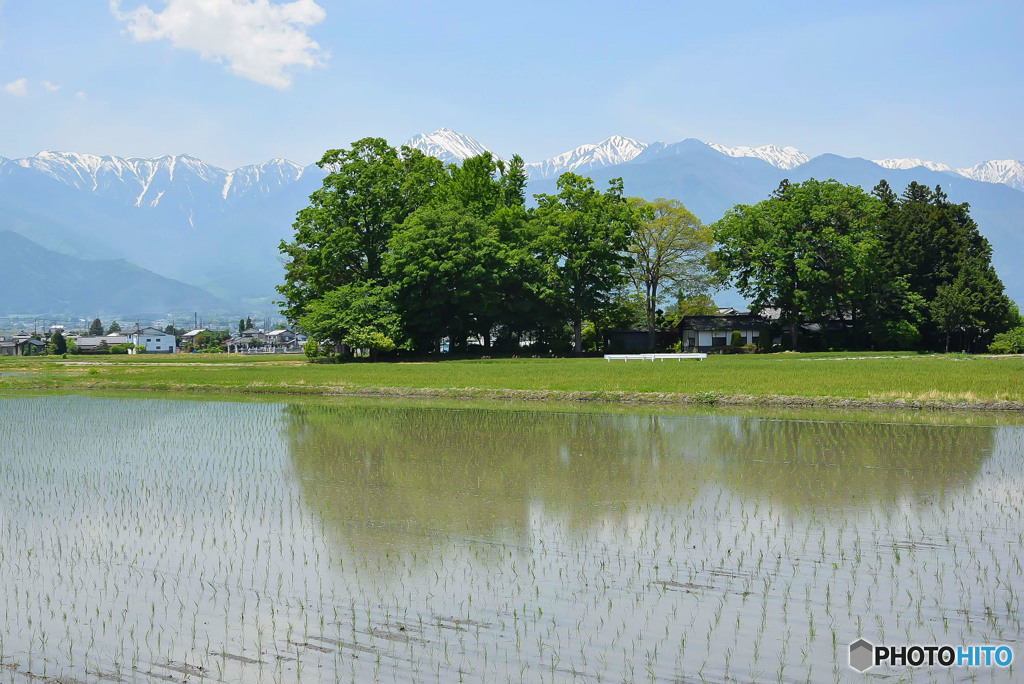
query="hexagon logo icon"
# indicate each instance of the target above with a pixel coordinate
(861, 655)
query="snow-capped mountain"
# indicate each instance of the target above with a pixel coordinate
(219, 229)
(449, 146)
(149, 182)
(779, 157)
(904, 164)
(614, 150)
(261, 179)
(453, 147)
(1006, 171)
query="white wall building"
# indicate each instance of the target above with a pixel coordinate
(154, 340)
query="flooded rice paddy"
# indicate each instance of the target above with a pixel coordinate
(153, 540)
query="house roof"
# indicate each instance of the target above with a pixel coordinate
(724, 323)
(19, 342)
(148, 330)
(193, 333)
(280, 331)
(111, 340)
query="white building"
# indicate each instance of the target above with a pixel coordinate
(155, 341)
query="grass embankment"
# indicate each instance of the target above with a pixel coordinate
(842, 379)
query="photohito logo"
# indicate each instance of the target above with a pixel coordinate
(864, 655)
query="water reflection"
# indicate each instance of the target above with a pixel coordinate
(395, 474)
(378, 542)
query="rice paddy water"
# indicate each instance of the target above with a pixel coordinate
(158, 540)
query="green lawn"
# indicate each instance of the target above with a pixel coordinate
(885, 377)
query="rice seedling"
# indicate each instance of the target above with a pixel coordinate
(363, 541)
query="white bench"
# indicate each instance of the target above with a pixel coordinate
(653, 357)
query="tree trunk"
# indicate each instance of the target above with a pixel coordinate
(577, 332)
(651, 338)
(794, 331)
(487, 339)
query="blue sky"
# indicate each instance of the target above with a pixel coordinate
(241, 81)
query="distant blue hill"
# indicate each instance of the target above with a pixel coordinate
(38, 281)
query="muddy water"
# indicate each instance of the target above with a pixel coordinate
(152, 540)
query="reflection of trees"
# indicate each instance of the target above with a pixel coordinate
(383, 475)
(410, 471)
(803, 463)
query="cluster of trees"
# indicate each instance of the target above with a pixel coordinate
(210, 341)
(397, 250)
(891, 272)
(96, 328)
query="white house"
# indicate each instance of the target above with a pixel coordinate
(155, 341)
(281, 337)
(190, 337)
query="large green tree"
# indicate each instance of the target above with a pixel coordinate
(669, 250)
(583, 235)
(447, 269)
(96, 328)
(809, 251)
(938, 250)
(342, 236)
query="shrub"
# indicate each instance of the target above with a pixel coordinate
(737, 339)
(1010, 342)
(897, 335)
(311, 349)
(368, 338)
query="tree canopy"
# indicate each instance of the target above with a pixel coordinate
(669, 252)
(888, 271)
(452, 250)
(397, 251)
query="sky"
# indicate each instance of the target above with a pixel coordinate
(241, 81)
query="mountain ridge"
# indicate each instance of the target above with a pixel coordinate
(218, 230)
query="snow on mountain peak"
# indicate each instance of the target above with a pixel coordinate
(616, 149)
(911, 163)
(144, 182)
(1006, 171)
(782, 157)
(261, 179)
(449, 146)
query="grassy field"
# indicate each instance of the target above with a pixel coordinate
(882, 378)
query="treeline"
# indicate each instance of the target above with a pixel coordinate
(397, 250)
(872, 270)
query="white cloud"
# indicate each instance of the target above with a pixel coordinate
(258, 40)
(80, 95)
(17, 88)
(50, 87)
